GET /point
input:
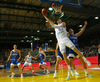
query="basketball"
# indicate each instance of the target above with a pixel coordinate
(48, 25)
(44, 11)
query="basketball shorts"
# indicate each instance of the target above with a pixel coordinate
(27, 63)
(65, 42)
(15, 63)
(42, 62)
(73, 54)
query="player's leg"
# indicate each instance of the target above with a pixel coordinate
(68, 64)
(44, 64)
(11, 68)
(40, 66)
(63, 52)
(60, 63)
(80, 54)
(25, 64)
(68, 76)
(20, 69)
(30, 64)
(85, 67)
(71, 57)
(72, 46)
(56, 66)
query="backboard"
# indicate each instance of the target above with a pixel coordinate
(74, 3)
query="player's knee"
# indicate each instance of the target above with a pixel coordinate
(71, 59)
(18, 64)
(12, 66)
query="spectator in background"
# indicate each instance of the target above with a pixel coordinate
(98, 53)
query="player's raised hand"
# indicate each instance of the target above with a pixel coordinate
(85, 22)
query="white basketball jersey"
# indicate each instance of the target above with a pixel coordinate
(61, 33)
(29, 58)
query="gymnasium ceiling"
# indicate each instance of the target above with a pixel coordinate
(21, 20)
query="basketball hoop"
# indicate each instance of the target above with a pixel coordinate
(57, 8)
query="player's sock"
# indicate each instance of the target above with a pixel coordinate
(88, 63)
(21, 75)
(33, 72)
(76, 73)
(48, 71)
(55, 74)
(85, 71)
(55, 71)
(71, 70)
(68, 73)
(69, 67)
(44, 71)
(12, 74)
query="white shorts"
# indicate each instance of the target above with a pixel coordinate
(26, 63)
(14, 64)
(65, 42)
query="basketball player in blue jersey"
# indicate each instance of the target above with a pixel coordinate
(15, 55)
(73, 37)
(63, 41)
(27, 60)
(43, 60)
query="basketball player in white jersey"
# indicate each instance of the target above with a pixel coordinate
(27, 60)
(43, 60)
(63, 40)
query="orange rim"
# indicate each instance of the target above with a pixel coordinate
(56, 7)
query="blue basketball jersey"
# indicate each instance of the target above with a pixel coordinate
(74, 39)
(15, 55)
(41, 55)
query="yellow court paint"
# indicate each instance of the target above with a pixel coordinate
(61, 77)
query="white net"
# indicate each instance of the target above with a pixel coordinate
(57, 8)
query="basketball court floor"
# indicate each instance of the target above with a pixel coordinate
(61, 75)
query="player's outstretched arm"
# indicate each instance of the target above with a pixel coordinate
(9, 57)
(36, 55)
(44, 55)
(25, 58)
(82, 30)
(19, 55)
(51, 23)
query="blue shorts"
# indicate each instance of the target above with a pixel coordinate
(15, 62)
(60, 55)
(72, 52)
(42, 62)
